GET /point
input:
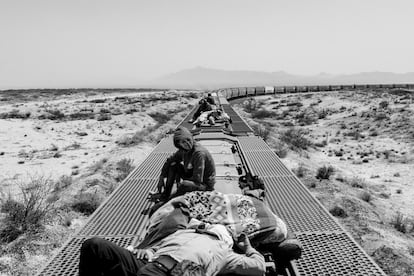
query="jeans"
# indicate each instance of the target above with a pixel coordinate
(99, 257)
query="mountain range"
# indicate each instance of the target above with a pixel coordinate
(205, 78)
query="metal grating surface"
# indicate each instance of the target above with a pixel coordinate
(253, 143)
(266, 163)
(288, 198)
(67, 260)
(333, 254)
(151, 167)
(121, 215)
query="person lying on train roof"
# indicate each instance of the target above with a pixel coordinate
(240, 214)
(183, 247)
(211, 117)
(203, 106)
(192, 167)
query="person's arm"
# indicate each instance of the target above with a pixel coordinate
(249, 263)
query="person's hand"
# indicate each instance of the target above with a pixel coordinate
(243, 243)
(144, 254)
(160, 184)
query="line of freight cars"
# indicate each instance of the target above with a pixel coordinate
(263, 90)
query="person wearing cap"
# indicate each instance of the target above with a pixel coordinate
(192, 167)
(210, 99)
(193, 249)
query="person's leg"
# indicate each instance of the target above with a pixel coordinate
(101, 257)
(188, 186)
(175, 174)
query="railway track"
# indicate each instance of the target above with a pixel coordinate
(328, 248)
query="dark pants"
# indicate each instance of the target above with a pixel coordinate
(176, 173)
(99, 257)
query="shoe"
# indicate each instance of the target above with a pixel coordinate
(191, 120)
(289, 249)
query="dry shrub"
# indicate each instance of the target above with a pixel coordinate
(300, 171)
(124, 167)
(324, 172)
(338, 211)
(160, 118)
(296, 138)
(357, 182)
(86, 202)
(28, 211)
(262, 131)
(365, 196)
(262, 114)
(400, 223)
(250, 105)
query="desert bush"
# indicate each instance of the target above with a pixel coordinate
(365, 196)
(262, 131)
(338, 211)
(306, 117)
(381, 116)
(280, 149)
(63, 182)
(15, 114)
(300, 171)
(124, 167)
(82, 115)
(324, 172)
(28, 211)
(262, 113)
(138, 137)
(160, 118)
(104, 110)
(250, 105)
(98, 165)
(295, 138)
(400, 223)
(55, 114)
(383, 104)
(104, 117)
(357, 182)
(86, 203)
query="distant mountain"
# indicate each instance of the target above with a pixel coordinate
(205, 78)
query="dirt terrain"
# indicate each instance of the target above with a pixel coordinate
(67, 152)
(355, 152)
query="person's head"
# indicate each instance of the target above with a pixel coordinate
(209, 95)
(183, 139)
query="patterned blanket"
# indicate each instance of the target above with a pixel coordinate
(239, 213)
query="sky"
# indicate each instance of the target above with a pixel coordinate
(121, 43)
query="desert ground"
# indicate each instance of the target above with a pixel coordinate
(70, 149)
(354, 150)
(67, 151)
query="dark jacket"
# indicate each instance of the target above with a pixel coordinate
(198, 163)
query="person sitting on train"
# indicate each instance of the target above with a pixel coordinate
(191, 167)
(203, 106)
(210, 99)
(181, 246)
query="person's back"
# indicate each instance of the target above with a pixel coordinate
(203, 166)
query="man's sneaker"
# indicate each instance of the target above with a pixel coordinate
(191, 120)
(289, 249)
